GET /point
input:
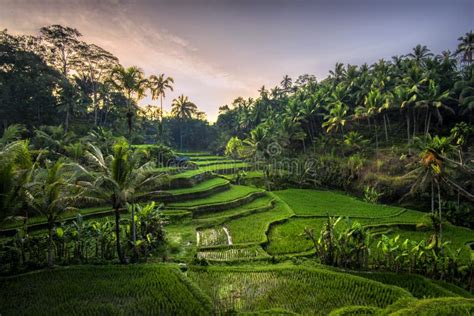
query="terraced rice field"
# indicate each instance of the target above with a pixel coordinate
(246, 228)
(136, 289)
(306, 291)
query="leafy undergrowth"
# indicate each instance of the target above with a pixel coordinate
(103, 290)
(302, 290)
(289, 237)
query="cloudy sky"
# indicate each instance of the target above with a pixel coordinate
(217, 50)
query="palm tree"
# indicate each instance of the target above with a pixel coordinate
(132, 82)
(183, 109)
(403, 98)
(286, 84)
(336, 117)
(466, 47)
(431, 169)
(433, 100)
(419, 54)
(51, 192)
(119, 179)
(373, 102)
(158, 86)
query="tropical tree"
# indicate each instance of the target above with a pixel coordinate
(131, 81)
(119, 179)
(420, 54)
(466, 47)
(433, 100)
(61, 43)
(336, 117)
(52, 192)
(158, 86)
(403, 98)
(183, 109)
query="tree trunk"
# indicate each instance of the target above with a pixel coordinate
(440, 218)
(50, 242)
(181, 136)
(408, 132)
(432, 197)
(117, 236)
(134, 234)
(161, 119)
(385, 127)
(66, 121)
(414, 124)
(376, 137)
(428, 123)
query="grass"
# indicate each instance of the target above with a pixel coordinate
(321, 203)
(288, 237)
(200, 187)
(203, 163)
(187, 174)
(182, 238)
(308, 291)
(39, 219)
(418, 286)
(235, 192)
(261, 202)
(436, 306)
(231, 253)
(207, 158)
(103, 290)
(226, 167)
(457, 237)
(252, 228)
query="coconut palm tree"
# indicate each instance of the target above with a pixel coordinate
(336, 117)
(52, 191)
(286, 84)
(419, 54)
(403, 98)
(158, 86)
(118, 179)
(183, 109)
(433, 100)
(466, 47)
(131, 81)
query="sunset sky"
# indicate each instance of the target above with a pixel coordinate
(219, 50)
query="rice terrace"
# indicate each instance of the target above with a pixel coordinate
(218, 188)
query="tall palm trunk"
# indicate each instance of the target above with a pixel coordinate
(117, 235)
(66, 121)
(428, 123)
(161, 119)
(414, 123)
(180, 135)
(385, 127)
(440, 218)
(376, 136)
(407, 115)
(50, 242)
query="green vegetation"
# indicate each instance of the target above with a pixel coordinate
(236, 192)
(344, 196)
(297, 289)
(334, 204)
(146, 289)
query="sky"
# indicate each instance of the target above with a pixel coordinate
(217, 50)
